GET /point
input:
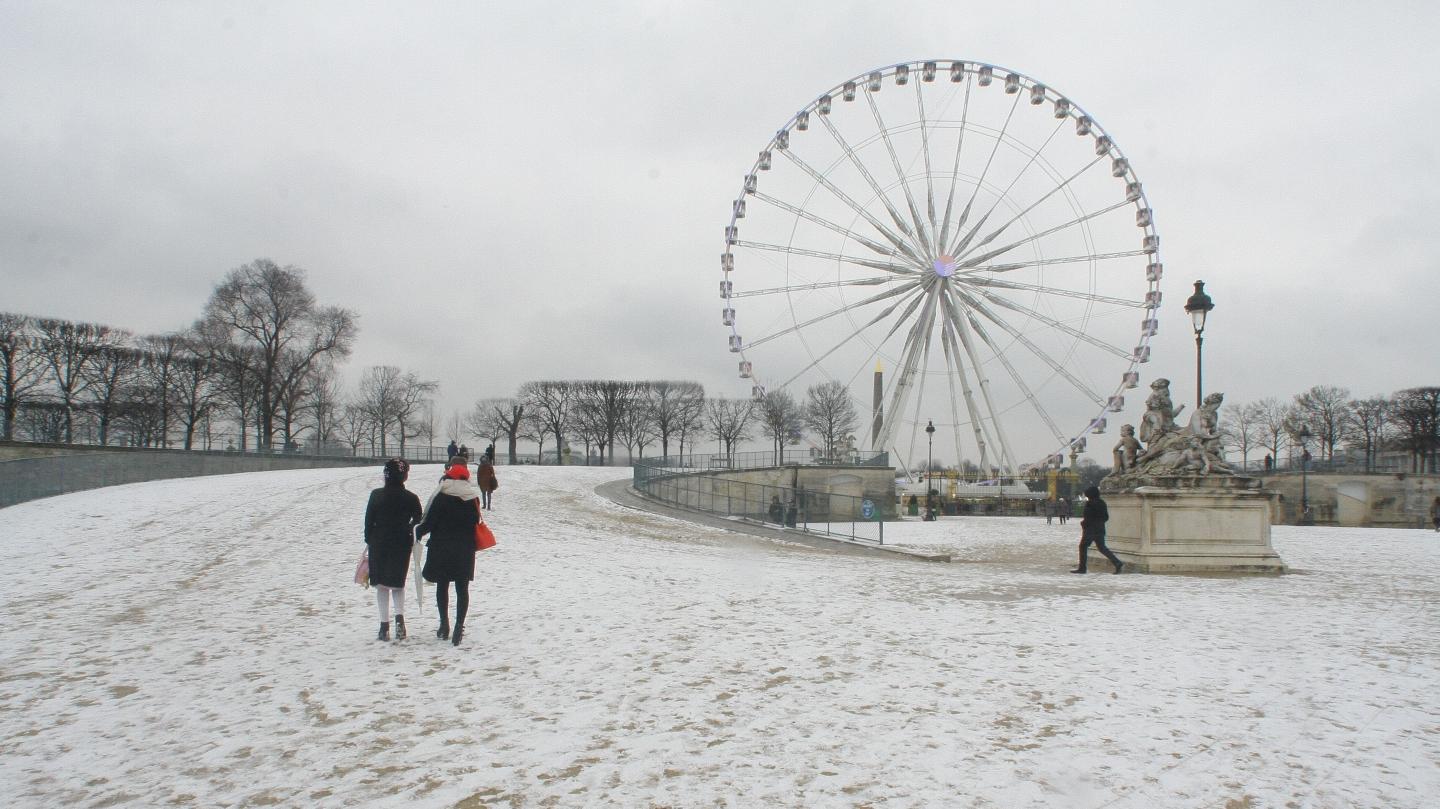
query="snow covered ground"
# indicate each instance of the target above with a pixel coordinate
(198, 643)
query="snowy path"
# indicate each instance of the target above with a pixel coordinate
(198, 643)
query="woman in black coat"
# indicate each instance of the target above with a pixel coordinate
(390, 518)
(450, 520)
(1092, 529)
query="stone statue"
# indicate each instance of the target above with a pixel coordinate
(1170, 455)
(1126, 449)
(1160, 412)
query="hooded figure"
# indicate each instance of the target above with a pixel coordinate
(390, 517)
(450, 520)
(1092, 529)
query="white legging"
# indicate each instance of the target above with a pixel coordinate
(396, 596)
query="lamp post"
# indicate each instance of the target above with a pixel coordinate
(1198, 305)
(1304, 436)
(929, 453)
(929, 470)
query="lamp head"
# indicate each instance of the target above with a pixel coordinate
(1199, 305)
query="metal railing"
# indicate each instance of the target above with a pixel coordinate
(697, 482)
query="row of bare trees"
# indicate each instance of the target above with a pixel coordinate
(1407, 422)
(261, 359)
(600, 415)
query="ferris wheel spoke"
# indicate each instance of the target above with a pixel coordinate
(1054, 324)
(1017, 217)
(897, 269)
(900, 172)
(975, 305)
(955, 168)
(953, 369)
(972, 263)
(1001, 443)
(840, 229)
(910, 307)
(869, 178)
(980, 181)
(918, 337)
(887, 294)
(925, 150)
(858, 282)
(972, 278)
(954, 361)
(890, 236)
(995, 283)
(1018, 379)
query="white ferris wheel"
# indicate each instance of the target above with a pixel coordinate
(968, 229)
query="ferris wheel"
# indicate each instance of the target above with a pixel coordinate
(967, 229)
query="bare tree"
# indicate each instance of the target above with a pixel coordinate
(162, 354)
(830, 412)
(637, 424)
(1368, 423)
(193, 390)
(267, 308)
(324, 407)
(1241, 429)
(110, 376)
(1272, 417)
(69, 350)
(492, 418)
(355, 425)
(676, 408)
(1323, 409)
(379, 396)
(1416, 413)
(22, 368)
(549, 405)
(728, 421)
(781, 418)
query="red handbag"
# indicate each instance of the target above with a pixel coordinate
(483, 537)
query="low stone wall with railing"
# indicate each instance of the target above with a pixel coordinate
(828, 496)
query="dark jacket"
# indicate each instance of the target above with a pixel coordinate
(1092, 521)
(390, 519)
(450, 521)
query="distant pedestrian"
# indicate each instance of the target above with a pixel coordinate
(450, 520)
(464, 452)
(490, 453)
(1435, 513)
(1051, 509)
(777, 510)
(390, 519)
(1092, 530)
(486, 480)
(452, 450)
(1062, 509)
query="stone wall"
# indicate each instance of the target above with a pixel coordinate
(31, 471)
(1392, 500)
(748, 491)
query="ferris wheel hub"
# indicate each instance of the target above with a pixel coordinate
(945, 266)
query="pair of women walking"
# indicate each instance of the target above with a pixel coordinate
(394, 521)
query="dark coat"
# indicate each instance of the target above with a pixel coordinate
(1096, 514)
(450, 521)
(390, 519)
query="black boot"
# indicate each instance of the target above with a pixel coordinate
(399, 627)
(1078, 570)
(1118, 564)
(384, 631)
(459, 633)
(443, 633)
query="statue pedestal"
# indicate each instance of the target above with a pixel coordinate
(1192, 527)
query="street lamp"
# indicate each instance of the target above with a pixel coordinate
(929, 453)
(1198, 305)
(1304, 436)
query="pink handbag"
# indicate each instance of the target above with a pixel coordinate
(362, 569)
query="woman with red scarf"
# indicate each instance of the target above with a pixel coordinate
(450, 520)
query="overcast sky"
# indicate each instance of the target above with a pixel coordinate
(511, 191)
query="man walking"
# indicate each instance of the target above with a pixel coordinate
(1092, 530)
